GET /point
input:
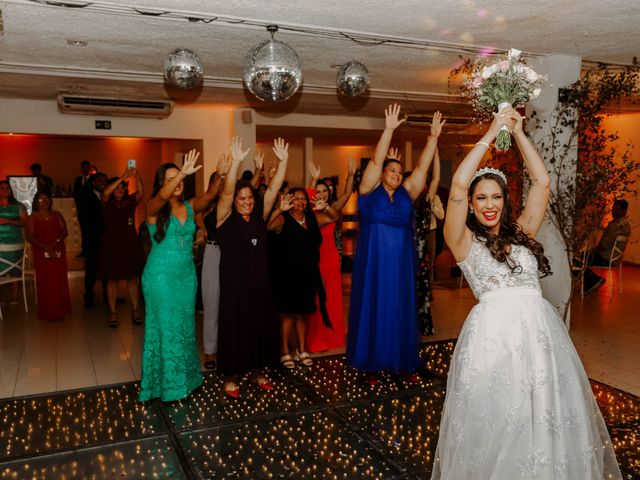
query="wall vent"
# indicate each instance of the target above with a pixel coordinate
(85, 105)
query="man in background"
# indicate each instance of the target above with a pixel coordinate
(599, 257)
(82, 189)
(45, 183)
(92, 235)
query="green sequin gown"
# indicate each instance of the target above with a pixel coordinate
(170, 361)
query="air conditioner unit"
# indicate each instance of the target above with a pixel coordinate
(85, 105)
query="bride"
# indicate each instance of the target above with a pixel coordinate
(518, 402)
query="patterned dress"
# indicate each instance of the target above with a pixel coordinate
(170, 361)
(423, 275)
(518, 401)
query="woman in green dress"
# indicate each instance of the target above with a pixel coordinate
(170, 362)
(12, 218)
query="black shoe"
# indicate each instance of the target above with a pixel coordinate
(595, 287)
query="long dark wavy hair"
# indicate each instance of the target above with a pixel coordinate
(164, 215)
(510, 232)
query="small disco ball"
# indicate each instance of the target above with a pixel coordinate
(272, 71)
(183, 69)
(353, 79)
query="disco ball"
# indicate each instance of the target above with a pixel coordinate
(272, 71)
(352, 79)
(183, 69)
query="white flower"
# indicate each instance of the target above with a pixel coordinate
(514, 54)
(531, 75)
(486, 72)
(536, 93)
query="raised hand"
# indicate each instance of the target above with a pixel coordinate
(320, 205)
(517, 128)
(189, 165)
(504, 118)
(286, 202)
(391, 120)
(281, 149)
(237, 154)
(314, 170)
(352, 166)
(394, 153)
(224, 164)
(437, 124)
(258, 160)
(273, 166)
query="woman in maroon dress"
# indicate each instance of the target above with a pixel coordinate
(121, 256)
(46, 230)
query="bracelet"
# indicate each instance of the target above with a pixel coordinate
(484, 144)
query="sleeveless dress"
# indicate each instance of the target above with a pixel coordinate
(319, 336)
(170, 361)
(383, 327)
(121, 256)
(518, 402)
(423, 277)
(248, 329)
(52, 284)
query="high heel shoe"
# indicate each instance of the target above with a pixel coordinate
(136, 318)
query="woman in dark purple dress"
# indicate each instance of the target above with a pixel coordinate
(121, 256)
(247, 325)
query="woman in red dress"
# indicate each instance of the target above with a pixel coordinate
(46, 230)
(319, 337)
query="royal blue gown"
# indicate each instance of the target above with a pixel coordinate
(383, 326)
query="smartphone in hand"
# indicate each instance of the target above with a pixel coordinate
(131, 164)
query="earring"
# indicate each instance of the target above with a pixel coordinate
(470, 209)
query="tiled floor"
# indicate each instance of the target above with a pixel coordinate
(82, 351)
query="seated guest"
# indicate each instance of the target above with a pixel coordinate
(13, 216)
(599, 257)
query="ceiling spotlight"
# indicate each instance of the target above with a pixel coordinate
(272, 70)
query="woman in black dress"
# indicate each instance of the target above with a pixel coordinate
(247, 325)
(298, 269)
(121, 257)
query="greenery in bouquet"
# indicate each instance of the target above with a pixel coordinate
(494, 86)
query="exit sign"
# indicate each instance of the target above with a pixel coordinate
(103, 124)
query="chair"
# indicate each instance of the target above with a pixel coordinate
(6, 266)
(28, 268)
(615, 258)
(577, 268)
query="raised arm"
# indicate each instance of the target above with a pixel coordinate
(276, 221)
(314, 172)
(258, 161)
(113, 185)
(281, 151)
(435, 178)
(415, 183)
(203, 202)
(535, 206)
(456, 233)
(371, 175)
(139, 186)
(348, 188)
(164, 194)
(225, 202)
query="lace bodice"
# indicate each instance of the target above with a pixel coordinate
(485, 274)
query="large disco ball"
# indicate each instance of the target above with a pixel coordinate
(352, 79)
(272, 71)
(183, 69)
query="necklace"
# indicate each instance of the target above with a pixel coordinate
(300, 222)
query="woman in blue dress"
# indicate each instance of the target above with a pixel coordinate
(383, 326)
(170, 361)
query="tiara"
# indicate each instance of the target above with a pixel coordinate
(486, 170)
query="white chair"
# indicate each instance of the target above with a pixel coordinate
(6, 266)
(615, 258)
(578, 269)
(28, 268)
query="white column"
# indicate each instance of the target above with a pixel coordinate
(308, 157)
(561, 71)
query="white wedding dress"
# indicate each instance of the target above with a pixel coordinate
(518, 403)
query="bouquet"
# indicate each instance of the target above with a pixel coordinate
(501, 84)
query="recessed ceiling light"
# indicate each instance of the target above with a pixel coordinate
(76, 43)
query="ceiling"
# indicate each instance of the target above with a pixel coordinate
(409, 46)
